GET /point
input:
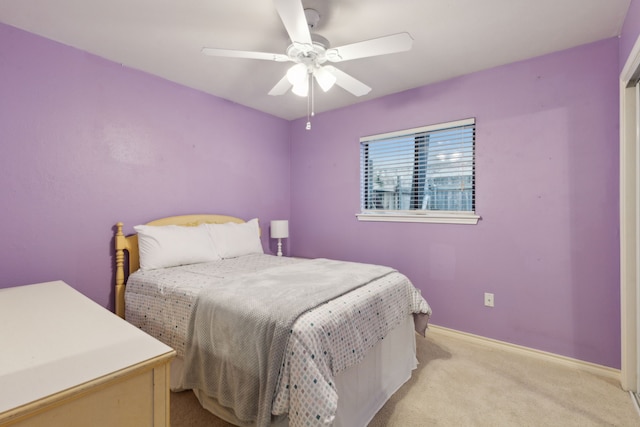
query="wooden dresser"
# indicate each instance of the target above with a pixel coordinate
(67, 361)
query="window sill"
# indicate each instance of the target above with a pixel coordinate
(431, 217)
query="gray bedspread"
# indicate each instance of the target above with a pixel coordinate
(240, 327)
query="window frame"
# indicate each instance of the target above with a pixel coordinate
(427, 216)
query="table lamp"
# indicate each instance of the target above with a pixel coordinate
(279, 230)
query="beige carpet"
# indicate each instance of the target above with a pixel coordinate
(463, 383)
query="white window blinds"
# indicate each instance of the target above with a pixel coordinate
(418, 171)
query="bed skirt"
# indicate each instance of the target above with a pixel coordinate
(362, 389)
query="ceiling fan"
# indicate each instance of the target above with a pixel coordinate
(310, 52)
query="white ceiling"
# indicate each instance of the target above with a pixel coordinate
(451, 38)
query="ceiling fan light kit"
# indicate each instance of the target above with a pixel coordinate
(298, 76)
(310, 51)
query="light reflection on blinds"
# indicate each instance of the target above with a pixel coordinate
(423, 169)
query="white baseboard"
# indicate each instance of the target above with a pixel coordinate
(551, 357)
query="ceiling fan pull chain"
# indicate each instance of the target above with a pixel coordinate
(309, 102)
(312, 88)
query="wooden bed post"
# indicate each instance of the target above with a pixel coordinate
(120, 244)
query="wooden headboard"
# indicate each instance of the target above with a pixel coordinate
(130, 245)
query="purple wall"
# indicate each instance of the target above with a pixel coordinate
(85, 143)
(547, 191)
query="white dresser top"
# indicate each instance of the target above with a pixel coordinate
(53, 338)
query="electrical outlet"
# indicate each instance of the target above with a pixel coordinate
(488, 299)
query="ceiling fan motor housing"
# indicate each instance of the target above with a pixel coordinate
(313, 55)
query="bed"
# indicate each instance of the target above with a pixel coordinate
(252, 349)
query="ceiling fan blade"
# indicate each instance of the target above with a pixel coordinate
(347, 82)
(292, 14)
(394, 43)
(281, 87)
(230, 53)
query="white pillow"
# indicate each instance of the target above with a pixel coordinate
(236, 239)
(171, 245)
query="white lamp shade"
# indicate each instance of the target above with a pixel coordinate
(297, 74)
(325, 79)
(302, 88)
(280, 229)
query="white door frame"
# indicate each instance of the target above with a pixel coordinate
(629, 222)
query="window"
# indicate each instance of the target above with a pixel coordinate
(425, 174)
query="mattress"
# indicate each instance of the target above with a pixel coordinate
(363, 388)
(160, 302)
